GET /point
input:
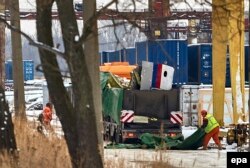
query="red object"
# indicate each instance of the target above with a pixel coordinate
(127, 116)
(158, 9)
(213, 134)
(158, 78)
(175, 118)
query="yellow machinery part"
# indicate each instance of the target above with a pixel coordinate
(228, 27)
(219, 42)
(236, 50)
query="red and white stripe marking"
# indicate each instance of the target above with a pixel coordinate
(176, 118)
(127, 116)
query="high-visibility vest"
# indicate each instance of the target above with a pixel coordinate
(212, 123)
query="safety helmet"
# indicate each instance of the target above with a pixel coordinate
(203, 113)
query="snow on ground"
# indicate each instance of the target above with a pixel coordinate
(187, 131)
(135, 158)
(29, 94)
(34, 104)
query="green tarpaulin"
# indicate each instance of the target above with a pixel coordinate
(153, 141)
(112, 96)
(192, 142)
(150, 141)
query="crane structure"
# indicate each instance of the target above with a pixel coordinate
(157, 22)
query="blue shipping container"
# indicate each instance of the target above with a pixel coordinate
(114, 56)
(193, 65)
(205, 63)
(111, 56)
(200, 64)
(28, 70)
(247, 64)
(172, 53)
(141, 52)
(8, 70)
(104, 57)
(129, 55)
(100, 58)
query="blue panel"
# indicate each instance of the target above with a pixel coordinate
(172, 53)
(100, 58)
(120, 55)
(193, 64)
(123, 55)
(130, 55)
(205, 63)
(228, 77)
(8, 70)
(153, 54)
(104, 57)
(28, 70)
(247, 64)
(203, 74)
(141, 52)
(114, 56)
(206, 76)
(182, 56)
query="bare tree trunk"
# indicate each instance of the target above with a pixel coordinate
(7, 139)
(2, 46)
(19, 101)
(86, 152)
(78, 121)
(91, 49)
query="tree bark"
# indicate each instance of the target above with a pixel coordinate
(7, 139)
(77, 119)
(17, 59)
(2, 46)
(91, 49)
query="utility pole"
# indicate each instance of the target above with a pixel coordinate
(2, 46)
(19, 101)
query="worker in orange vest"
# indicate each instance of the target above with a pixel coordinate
(47, 115)
(212, 129)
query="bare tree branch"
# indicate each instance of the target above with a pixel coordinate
(33, 42)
